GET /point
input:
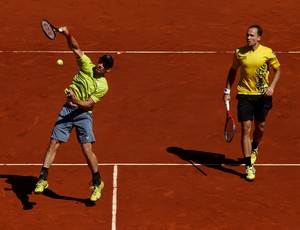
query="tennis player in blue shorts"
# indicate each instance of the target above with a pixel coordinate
(88, 87)
(254, 91)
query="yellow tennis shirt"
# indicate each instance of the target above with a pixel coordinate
(85, 85)
(254, 69)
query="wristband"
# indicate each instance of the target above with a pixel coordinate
(226, 91)
(68, 36)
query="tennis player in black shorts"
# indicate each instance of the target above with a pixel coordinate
(254, 91)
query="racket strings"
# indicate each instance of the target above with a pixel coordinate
(48, 29)
(229, 130)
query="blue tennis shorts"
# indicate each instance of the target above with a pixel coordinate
(256, 106)
(70, 117)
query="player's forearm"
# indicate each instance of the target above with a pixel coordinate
(276, 77)
(229, 83)
(72, 99)
(74, 46)
(72, 43)
(86, 105)
(230, 78)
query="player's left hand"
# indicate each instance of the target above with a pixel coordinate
(70, 95)
(269, 92)
(71, 98)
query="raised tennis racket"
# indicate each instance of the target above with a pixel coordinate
(49, 29)
(229, 125)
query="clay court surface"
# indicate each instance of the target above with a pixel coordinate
(159, 130)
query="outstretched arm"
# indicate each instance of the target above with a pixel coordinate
(73, 44)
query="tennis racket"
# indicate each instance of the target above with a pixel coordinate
(49, 29)
(229, 125)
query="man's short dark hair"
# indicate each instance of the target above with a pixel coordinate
(107, 60)
(259, 29)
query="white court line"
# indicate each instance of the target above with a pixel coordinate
(115, 176)
(114, 200)
(154, 164)
(137, 51)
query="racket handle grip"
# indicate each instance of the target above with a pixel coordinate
(227, 105)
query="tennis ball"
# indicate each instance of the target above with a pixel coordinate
(59, 62)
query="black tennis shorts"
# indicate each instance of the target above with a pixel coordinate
(253, 106)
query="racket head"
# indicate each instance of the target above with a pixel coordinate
(229, 129)
(48, 29)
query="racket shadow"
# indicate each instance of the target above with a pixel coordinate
(22, 186)
(208, 159)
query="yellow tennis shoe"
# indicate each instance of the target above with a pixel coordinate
(254, 154)
(250, 173)
(96, 192)
(41, 185)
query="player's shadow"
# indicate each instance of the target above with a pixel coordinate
(49, 193)
(22, 186)
(208, 159)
